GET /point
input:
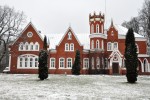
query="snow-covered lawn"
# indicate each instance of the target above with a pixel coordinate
(69, 87)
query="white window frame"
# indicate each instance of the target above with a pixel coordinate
(36, 46)
(52, 63)
(92, 63)
(97, 28)
(69, 63)
(61, 62)
(27, 64)
(21, 46)
(92, 28)
(137, 46)
(102, 43)
(71, 47)
(69, 36)
(85, 63)
(97, 62)
(66, 46)
(97, 44)
(92, 44)
(116, 48)
(109, 46)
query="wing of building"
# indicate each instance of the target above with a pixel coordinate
(101, 51)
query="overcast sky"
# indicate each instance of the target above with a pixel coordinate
(55, 16)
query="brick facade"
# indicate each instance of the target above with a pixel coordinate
(105, 54)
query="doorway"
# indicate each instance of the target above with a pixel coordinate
(115, 68)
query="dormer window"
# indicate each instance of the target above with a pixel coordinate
(112, 33)
(69, 36)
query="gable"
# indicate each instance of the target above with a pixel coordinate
(66, 37)
(29, 34)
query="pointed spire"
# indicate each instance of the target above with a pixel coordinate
(112, 23)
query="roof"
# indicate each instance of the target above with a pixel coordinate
(54, 39)
(123, 31)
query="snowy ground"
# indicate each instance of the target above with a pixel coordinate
(83, 87)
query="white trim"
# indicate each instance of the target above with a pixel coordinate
(66, 46)
(85, 62)
(54, 63)
(9, 62)
(143, 55)
(63, 63)
(97, 44)
(30, 23)
(71, 46)
(108, 46)
(67, 63)
(97, 28)
(98, 35)
(72, 34)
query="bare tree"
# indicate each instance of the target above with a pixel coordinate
(144, 16)
(10, 25)
(133, 23)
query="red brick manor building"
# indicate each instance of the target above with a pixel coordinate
(101, 50)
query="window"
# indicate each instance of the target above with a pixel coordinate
(102, 29)
(21, 46)
(29, 34)
(112, 33)
(26, 46)
(86, 63)
(102, 44)
(36, 46)
(92, 28)
(97, 62)
(69, 62)
(69, 36)
(97, 28)
(97, 44)
(115, 45)
(66, 47)
(92, 44)
(137, 48)
(109, 46)
(36, 62)
(26, 62)
(61, 62)
(71, 47)
(31, 61)
(52, 62)
(92, 62)
(21, 62)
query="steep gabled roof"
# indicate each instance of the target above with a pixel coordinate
(30, 23)
(72, 33)
(115, 52)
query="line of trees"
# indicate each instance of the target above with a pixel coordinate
(11, 22)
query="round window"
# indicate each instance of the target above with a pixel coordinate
(29, 34)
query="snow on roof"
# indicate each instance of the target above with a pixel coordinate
(123, 31)
(54, 39)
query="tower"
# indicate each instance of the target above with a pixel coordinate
(96, 31)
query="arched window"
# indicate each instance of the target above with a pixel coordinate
(92, 44)
(37, 46)
(66, 47)
(97, 62)
(26, 46)
(92, 62)
(61, 62)
(97, 44)
(71, 47)
(146, 66)
(31, 62)
(36, 62)
(69, 62)
(115, 45)
(31, 46)
(97, 28)
(21, 46)
(109, 46)
(86, 63)
(21, 62)
(52, 62)
(92, 28)
(26, 62)
(137, 48)
(102, 28)
(112, 33)
(102, 44)
(69, 36)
